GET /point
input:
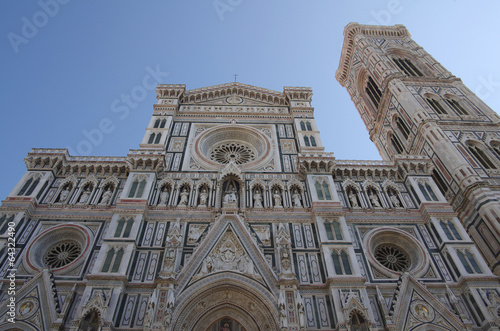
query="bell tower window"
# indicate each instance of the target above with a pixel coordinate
(373, 92)
(407, 67)
(436, 106)
(456, 106)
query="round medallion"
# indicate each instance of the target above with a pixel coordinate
(422, 311)
(392, 257)
(233, 99)
(26, 308)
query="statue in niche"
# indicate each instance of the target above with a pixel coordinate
(163, 197)
(203, 197)
(394, 198)
(64, 194)
(296, 198)
(106, 196)
(85, 196)
(353, 199)
(277, 198)
(374, 198)
(184, 197)
(230, 197)
(257, 198)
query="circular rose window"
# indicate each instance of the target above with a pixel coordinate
(392, 251)
(61, 248)
(245, 146)
(239, 153)
(62, 254)
(392, 257)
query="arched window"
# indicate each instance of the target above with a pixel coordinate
(151, 138)
(157, 123)
(308, 125)
(313, 141)
(306, 141)
(495, 145)
(469, 262)
(341, 263)
(333, 230)
(158, 138)
(403, 128)
(456, 106)
(323, 191)
(431, 192)
(441, 184)
(25, 187)
(358, 323)
(90, 322)
(33, 186)
(373, 92)
(119, 228)
(407, 67)
(137, 188)
(481, 156)
(436, 106)
(163, 122)
(398, 147)
(450, 230)
(113, 260)
(302, 126)
(29, 186)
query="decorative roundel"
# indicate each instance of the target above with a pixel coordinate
(62, 254)
(239, 153)
(392, 257)
(244, 145)
(61, 248)
(392, 251)
(27, 307)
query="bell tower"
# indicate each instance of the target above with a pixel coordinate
(411, 104)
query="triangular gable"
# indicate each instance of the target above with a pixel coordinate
(416, 306)
(234, 94)
(36, 305)
(230, 238)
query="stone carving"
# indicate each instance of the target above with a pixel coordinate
(282, 309)
(203, 198)
(299, 302)
(63, 196)
(374, 198)
(296, 198)
(164, 197)
(106, 197)
(285, 254)
(84, 198)
(277, 198)
(353, 199)
(394, 199)
(231, 195)
(257, 198)
(195, 231)
(228, 255)
(184, 197)
(263, 233)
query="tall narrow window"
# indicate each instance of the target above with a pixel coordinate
(436, 106)
(302, 126)
(163, 122)
(328, 228)
(431, 192)
(151, 138)
(333, 230)
(306, 141)
(373, 92)
(119, 228)
(25, 186)
(157, 123)
(345, 263)
(133, 189)
(128, 228)
(117, 261)
(424, 192)
(326, 191)
(403, 128)
(323, 191)
(308, 125)
(341, 263)
(481, 157)
(158, 138)
(473, 262)
(336, 229)
(33, 186)
(469, 262)
(141, 189)
(456, 106)
(319, 191)
(107, 261)
(396, 144)
(407, 67)
(439, 182)
(313, 141)
(496, 147)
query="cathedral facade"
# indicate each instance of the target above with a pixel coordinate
(231, 216)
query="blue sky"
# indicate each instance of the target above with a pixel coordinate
(66, 70)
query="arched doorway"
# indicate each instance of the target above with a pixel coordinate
(236, 298)
(226, 324)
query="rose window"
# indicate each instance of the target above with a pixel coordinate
(238, 153)
(62, 254)
(392, 257)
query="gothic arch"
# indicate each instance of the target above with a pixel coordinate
(184, 182)
(226, 295)
(204, 181)
(257, 182)
(166, 181)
